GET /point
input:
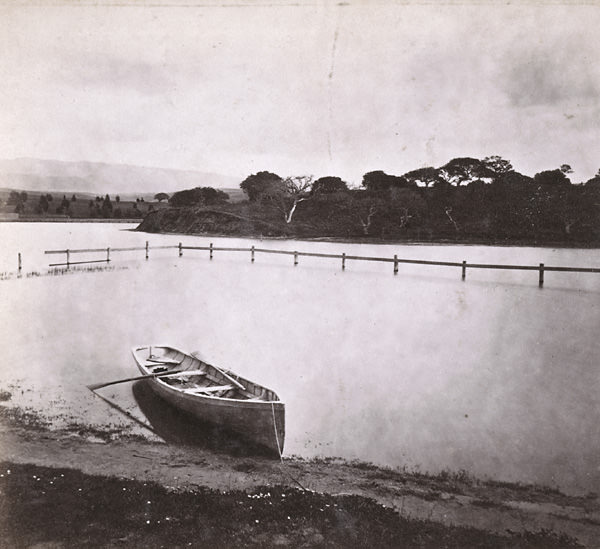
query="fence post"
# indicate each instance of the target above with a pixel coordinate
(211, 250)
(295, 258)
(541, 282)
(180, 250)
(108, 255)
(395, 264)
(146, 249)
(464, 270)
(19, 262)
(252, 254)
(67, 259)
(343, 261)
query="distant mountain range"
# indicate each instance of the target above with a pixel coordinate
(34, 174)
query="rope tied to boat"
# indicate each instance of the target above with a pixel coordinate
(279, 449)
(276, 435)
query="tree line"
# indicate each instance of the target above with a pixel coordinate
(466, 199)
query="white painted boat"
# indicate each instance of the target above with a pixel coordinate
(214, 395)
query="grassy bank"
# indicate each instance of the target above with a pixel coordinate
(42, 505)
(81, 486)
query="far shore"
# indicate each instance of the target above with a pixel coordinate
(379, 241)
(523, 243)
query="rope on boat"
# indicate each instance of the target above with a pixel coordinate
(276, 435)
(279, 449)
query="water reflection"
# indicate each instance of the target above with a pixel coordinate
(178, 428)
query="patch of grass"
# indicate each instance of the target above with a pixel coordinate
(43, 505)
(19, 417)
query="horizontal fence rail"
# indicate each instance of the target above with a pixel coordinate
(464, 265)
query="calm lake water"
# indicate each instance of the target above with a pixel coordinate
(492, 375)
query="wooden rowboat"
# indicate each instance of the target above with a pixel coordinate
(213, 395)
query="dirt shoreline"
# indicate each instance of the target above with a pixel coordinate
(378, 241)
(335, 239)
(454, 509)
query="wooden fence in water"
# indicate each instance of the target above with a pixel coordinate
(463, 265)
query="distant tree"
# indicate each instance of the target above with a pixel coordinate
(565, 168)
(14, 197)
(49, 197)
(200, 196)
(23, 196)
(497, 164)
(462, 171)
(43, 204)
(551, 178)
(117, 199)
(328, 185)
(423, 176)
(107, 207)
(261, 185)
(98, 199)
(381, 181)
(161, 196)
(65, 204)
(297, 190)
(73, 198)
(594, 181)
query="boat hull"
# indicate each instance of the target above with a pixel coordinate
(259, 422)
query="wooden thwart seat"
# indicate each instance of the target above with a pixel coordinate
(209, 389)
(159, 360)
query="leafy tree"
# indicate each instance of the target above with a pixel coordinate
(287, 196)
(260, 184)
(423, 176)
(200, 196)
(107, 207)
(381, 181)
(565, 168)
(329, 184)
(161, 196)
(73, 198)
(551, 178)
(594, 181)
(464, 170)
(43, 204)
(497, 164)
(117, 199)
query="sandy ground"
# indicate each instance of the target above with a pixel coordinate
(488, 507)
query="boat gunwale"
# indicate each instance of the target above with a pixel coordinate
(249, 403)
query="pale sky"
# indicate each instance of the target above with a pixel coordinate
(317, 88)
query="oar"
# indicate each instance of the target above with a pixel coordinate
(95, 386)
(235, 381)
